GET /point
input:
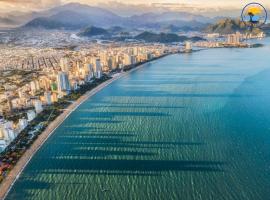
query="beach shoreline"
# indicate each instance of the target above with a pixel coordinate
(15, 173)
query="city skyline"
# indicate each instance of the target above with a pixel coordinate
(122, 99)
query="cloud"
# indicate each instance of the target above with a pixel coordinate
(25, 5)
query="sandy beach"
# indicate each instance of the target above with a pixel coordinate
(8, 182)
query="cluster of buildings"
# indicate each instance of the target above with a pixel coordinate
(234, 39)
(215, 40)
(28, 58)
(74, 69)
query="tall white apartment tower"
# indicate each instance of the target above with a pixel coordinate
(38, 106)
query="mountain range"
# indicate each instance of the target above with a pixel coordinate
(75, 16)
(116, 33)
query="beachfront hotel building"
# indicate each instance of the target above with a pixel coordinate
(7, 133)
(38, 106)
(31, 115)
(23, 123)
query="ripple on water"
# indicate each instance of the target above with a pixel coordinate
(185, 127)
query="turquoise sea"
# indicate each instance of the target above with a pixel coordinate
(190, 126)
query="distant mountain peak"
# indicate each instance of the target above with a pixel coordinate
(226, 26)
(78, 16)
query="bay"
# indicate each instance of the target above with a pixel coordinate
(188, 126)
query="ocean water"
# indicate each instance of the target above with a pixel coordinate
(191, 126)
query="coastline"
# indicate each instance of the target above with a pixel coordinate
(15, 173)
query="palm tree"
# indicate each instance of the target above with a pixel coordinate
(251, 15)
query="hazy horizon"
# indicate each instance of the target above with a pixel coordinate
(37, 5)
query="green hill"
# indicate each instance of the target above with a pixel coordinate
(164, 37)
(228, 26)
(93, 31)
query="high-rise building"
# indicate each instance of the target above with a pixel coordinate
(112, 63)
(135, 51)
(37, 84)
(127, 59)
(38, 106)
(3, 144)
(97, 67)
(48, 98)
(33, 87)
(7, 134)
(78, 65)
(7, 131)
(188, 46)
(238, 36)
(234, 38)
(88, 69)
(103, 58)
(133, 59)
(74, 85)
(31, 115)
(63, 84)
(22, 123)
(149, 56)
(230, 38)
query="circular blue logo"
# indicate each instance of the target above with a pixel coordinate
(254, 15)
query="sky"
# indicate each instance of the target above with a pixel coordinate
(30, 5)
